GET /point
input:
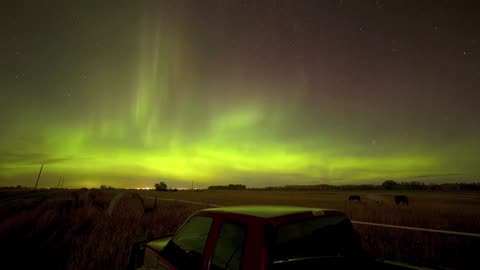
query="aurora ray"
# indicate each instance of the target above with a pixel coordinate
(222, 92)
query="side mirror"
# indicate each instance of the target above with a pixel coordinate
(195, 259)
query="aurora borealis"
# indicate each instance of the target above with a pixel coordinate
(260, 93)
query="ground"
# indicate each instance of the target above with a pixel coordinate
(73, 230)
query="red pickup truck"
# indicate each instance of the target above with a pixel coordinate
(258, 237)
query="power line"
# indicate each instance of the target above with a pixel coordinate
(38, 177)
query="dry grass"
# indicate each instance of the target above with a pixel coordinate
(55, 233)
(62, 231)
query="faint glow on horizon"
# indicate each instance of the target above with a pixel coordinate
(176, 107)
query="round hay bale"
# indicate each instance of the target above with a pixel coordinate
(98, 198)
(92, 194)
(126, 205)
(74, 198)
(81, 197)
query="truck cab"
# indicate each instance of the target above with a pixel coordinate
(256, 237)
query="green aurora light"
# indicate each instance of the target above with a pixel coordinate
(160, 100)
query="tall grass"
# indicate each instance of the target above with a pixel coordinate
(54, 234)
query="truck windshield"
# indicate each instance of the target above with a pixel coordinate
(185, 250)
(317, 237)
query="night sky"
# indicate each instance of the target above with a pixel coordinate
(128, 93)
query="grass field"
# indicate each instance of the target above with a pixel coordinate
(61, 230)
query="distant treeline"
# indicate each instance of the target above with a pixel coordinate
(16, 187)
(324, 187)
(387, 185)
(229, 187)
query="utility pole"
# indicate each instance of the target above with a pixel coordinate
(38, 177)
(58, 184)
(61, 183)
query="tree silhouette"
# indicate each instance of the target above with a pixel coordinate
(161, 186)
(390, 184)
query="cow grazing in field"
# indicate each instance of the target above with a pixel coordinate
(401, 199)
(354, 198)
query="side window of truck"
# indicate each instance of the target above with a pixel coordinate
(194, 234)
(229, 247)
(185, 250)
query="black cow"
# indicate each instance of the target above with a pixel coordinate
(354, 198)
(401, 199)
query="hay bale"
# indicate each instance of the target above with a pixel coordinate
(150, 204)
(82, 195)
(74, 197)
(98, 198)
(126, 206)
(78, 197)
(92, 194)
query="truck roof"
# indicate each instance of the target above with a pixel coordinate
(272, 211)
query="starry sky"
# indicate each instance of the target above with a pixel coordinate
(274, 92)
